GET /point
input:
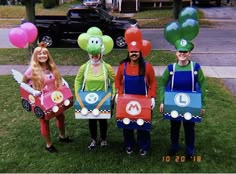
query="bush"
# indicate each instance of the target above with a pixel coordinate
(49, 3)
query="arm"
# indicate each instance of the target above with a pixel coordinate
(111, 76)
(202, 84)
(163, 82)
(119, 79)
(79, 78)
(151, 80)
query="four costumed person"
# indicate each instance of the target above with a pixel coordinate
(133, 89)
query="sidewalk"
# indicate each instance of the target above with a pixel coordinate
(222, 72)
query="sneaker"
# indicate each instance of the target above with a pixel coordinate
(104, 143)
(65, 140)
(51, 149)
(92, 145)
(142, 152)
(129, 150)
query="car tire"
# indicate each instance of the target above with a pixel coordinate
(26, 105)
(48, 39)
(119, 41)
(38, 112)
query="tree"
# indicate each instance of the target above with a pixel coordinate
(177, 6)
(30, 17)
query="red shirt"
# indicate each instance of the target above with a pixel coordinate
(133, 70)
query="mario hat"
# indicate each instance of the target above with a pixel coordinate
(134, 46)
(183, 45)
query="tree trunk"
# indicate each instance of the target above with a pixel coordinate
(30, 17)
(177, 7)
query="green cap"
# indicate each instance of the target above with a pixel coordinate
(183, 45)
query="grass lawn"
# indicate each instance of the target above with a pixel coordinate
(22, 148)
(76, 56)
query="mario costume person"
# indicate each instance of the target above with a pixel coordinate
(135, 76)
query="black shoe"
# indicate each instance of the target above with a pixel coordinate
(65, 140)
(172, 152)
(51, 149)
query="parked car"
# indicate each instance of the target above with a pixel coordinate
(53, 29)
(200, 2)
(95, 3)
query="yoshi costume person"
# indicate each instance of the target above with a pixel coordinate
(94, 85)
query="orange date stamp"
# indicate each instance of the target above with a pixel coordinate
(181, 158)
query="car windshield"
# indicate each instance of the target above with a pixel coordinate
(104, 14)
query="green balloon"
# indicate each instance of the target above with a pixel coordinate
(83, 41)
(94, 31)
(190, 29)
(108, 44)
(172, 32)
(188, 13)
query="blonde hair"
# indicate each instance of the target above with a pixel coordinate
(37, 71)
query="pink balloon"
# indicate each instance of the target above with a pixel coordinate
(18, 37)
(31, 30)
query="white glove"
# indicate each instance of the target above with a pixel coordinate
(116, 97)
(152, 103)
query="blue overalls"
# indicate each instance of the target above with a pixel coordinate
(183, 81)
(136, 85)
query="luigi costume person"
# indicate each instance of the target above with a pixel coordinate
(182, 76)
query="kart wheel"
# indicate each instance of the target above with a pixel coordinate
(38, 112)
(26, 105)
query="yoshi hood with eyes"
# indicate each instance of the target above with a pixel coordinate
(95, 46)
(94, 42)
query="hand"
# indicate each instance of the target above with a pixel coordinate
(203, 111)
(152, 103)
(161, 108)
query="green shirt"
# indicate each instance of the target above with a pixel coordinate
(95, 82)
(166, 77)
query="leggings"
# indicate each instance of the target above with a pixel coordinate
(44, 124)
(102, 126)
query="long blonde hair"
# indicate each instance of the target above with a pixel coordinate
(37, 71)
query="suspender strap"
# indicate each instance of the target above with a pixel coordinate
(173, 76)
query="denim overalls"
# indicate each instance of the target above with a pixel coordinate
(136, 85)
(183, 81)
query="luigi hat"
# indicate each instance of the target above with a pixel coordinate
(183, 45)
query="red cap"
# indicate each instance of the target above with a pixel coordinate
(134, 46)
